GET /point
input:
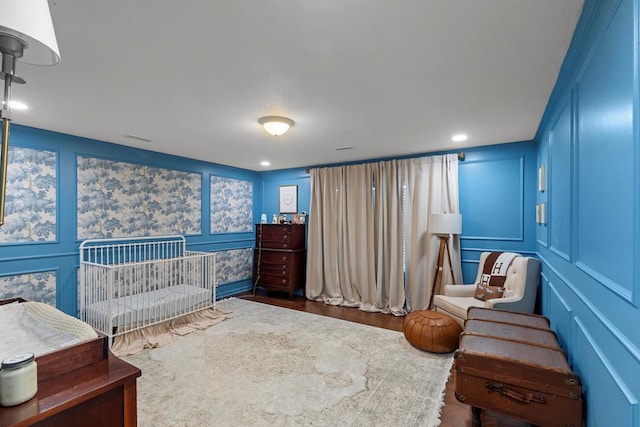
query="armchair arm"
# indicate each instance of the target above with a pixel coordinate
(508, 303)
(459, 290)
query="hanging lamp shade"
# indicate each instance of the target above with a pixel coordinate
(30, 22)
(26, 35)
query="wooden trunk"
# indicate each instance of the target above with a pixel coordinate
(511, 317)
(511, 332)
(529, 382)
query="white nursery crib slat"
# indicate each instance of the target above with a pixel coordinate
(131, 283)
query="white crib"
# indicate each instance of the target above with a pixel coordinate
(131, 283)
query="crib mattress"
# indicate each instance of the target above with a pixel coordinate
(147, 307)
(35, 327)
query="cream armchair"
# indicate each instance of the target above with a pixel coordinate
(521, 286)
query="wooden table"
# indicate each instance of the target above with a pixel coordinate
(100, 394)
(80, 385)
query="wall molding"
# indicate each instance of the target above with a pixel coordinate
(230, 289)
(32, 243)
(614, 287)
(248, 241)
(598, 39)
(23, 272)
(521, 252)
(565, 105)
(520, 237)
(568, 311)
(636, 148)
(610, 369)
(597, 314)
(40, 256)
(600, 24)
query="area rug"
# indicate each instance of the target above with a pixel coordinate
(272, 366)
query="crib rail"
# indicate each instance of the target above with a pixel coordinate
(129, 284)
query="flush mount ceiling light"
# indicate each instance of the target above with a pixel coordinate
(459, 137)
(275, 125)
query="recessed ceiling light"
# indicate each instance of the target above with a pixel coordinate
(459, 137)
(265, 163)
(17, 105)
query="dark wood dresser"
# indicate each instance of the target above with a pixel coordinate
(279, 258)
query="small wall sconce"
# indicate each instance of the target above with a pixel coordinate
(541, 179)
(541, 214)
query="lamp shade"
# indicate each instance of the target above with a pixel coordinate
(445, 223)
(275, 125)
(30, 21)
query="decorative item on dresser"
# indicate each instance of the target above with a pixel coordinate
(279, 258)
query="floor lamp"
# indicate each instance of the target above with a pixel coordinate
(443, 225)
(26, 34)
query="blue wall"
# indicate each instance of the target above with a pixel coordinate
(588, 144)
(61, 255)
(497, 200)
(270, 185)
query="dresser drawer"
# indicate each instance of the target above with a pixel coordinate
(273, 257)
(280, 236)
(274, 231)
(272, 262)
(276, 269)
(269, 278)
(284, 243)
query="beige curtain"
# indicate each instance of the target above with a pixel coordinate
(389, 253)
(432, 187)
(368, 242)
(342, 231)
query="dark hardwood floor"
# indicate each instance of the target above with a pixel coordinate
(454, 413)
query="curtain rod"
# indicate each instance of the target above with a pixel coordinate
(460, 157)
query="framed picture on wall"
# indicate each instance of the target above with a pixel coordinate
(288, 196)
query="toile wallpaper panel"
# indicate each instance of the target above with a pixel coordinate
(30, 209)
(231, 205)
(39, 287)
(234, 265)
(118, 199)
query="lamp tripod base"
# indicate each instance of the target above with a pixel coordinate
(436, 286)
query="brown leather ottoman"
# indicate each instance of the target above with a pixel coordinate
(431, 331)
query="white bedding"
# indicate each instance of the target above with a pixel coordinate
(38, 328)
(148, 307)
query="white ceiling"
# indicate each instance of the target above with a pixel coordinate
(386, 77)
